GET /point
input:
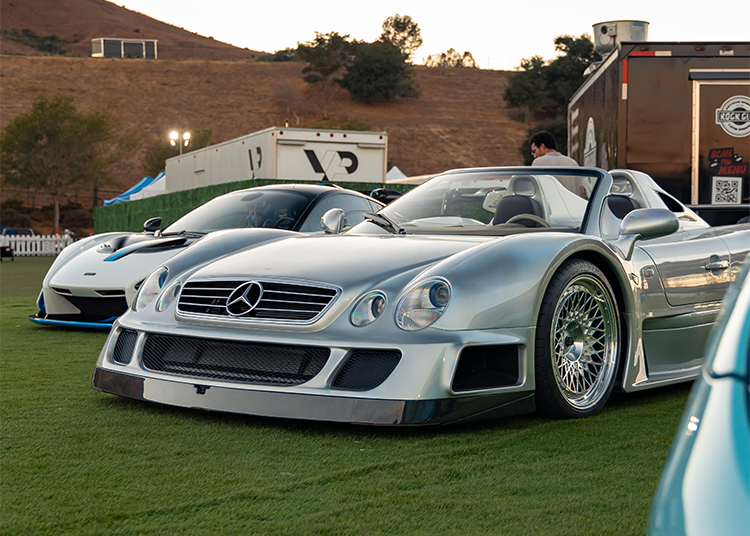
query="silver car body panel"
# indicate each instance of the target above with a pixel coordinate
(498, 285)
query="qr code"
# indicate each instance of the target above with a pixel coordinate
(726, 191)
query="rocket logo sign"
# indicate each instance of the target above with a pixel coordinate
(734, 116)
(334, 163)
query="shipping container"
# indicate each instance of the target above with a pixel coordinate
(114, 47)
(293, 154)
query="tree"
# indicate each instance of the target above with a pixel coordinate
(378, 72)
(545, 87)
(57, 149)
(326, 56)
(451, 58)
(162, 150)
(371, 71)
(403, 33)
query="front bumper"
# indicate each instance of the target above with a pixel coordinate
(417, 391)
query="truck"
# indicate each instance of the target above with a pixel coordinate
(296, 154)
(678, 111)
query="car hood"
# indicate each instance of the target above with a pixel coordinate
(90, 269)
(342, 260)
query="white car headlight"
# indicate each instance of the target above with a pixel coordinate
(368, 308)
(150, 288)
(168, 296)
(423, 304)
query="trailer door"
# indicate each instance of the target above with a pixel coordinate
(721, 137)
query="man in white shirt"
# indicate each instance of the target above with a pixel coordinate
(543, 147)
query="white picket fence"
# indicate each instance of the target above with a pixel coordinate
(36, 246)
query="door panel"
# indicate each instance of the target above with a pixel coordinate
(692, 271)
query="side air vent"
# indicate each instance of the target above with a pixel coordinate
(487, 367)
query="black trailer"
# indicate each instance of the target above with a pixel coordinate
(678, 111)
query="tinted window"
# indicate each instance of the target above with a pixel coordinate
(260, 208)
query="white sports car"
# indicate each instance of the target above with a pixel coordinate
(481, 293)
(93, 281)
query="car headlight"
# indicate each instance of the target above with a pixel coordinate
(368, 308)
(423, 304)
(168, 296)
(150, 288)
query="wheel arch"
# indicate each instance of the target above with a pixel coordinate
(618, 280)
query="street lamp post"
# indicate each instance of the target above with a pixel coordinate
(176, 137)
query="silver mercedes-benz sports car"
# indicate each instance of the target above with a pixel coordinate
(93, 281)
(482, 293)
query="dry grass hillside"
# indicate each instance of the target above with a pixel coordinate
(459, 120)
(78, 21)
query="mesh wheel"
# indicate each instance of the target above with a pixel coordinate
(577, 342)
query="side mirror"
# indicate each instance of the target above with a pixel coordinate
(332, 221)
(152, 225)
(642, 224)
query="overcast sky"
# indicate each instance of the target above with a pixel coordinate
(498, 33)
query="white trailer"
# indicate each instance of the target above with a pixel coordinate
(294, 154)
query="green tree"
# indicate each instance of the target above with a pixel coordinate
(451, 58)
(402, 32)
(327, 55)
(56, 149)
(545, 87)
(288, 54)
(378, 72)
(162, 150)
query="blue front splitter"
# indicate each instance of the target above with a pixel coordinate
(107, 324)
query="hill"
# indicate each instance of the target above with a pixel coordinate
(459, 120)
(76, 22)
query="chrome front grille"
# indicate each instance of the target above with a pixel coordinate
(263, 300)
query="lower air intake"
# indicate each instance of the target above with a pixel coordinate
(366, 369)
(124, 347)
(235, 361)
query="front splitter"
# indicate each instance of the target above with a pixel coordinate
(330, 408)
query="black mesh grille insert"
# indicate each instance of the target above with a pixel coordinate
(276, 301)
(366, 369)
(124, 347)
(237, 361)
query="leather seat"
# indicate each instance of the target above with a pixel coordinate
(513, 205)
(621, 205)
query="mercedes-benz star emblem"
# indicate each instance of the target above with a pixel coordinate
(244, 298)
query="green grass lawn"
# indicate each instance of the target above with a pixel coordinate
(77, 461)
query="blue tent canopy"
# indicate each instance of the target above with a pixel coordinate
(125, 196)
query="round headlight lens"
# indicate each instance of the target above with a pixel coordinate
(168, 296)
(423, 304)
(368, 308)
(150, 288)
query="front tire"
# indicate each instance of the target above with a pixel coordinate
(577, 342)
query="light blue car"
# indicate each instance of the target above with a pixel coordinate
(705, 486)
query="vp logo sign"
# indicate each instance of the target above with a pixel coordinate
(333, 162)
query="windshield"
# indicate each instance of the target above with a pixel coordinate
(280, 209)
(503, 199)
